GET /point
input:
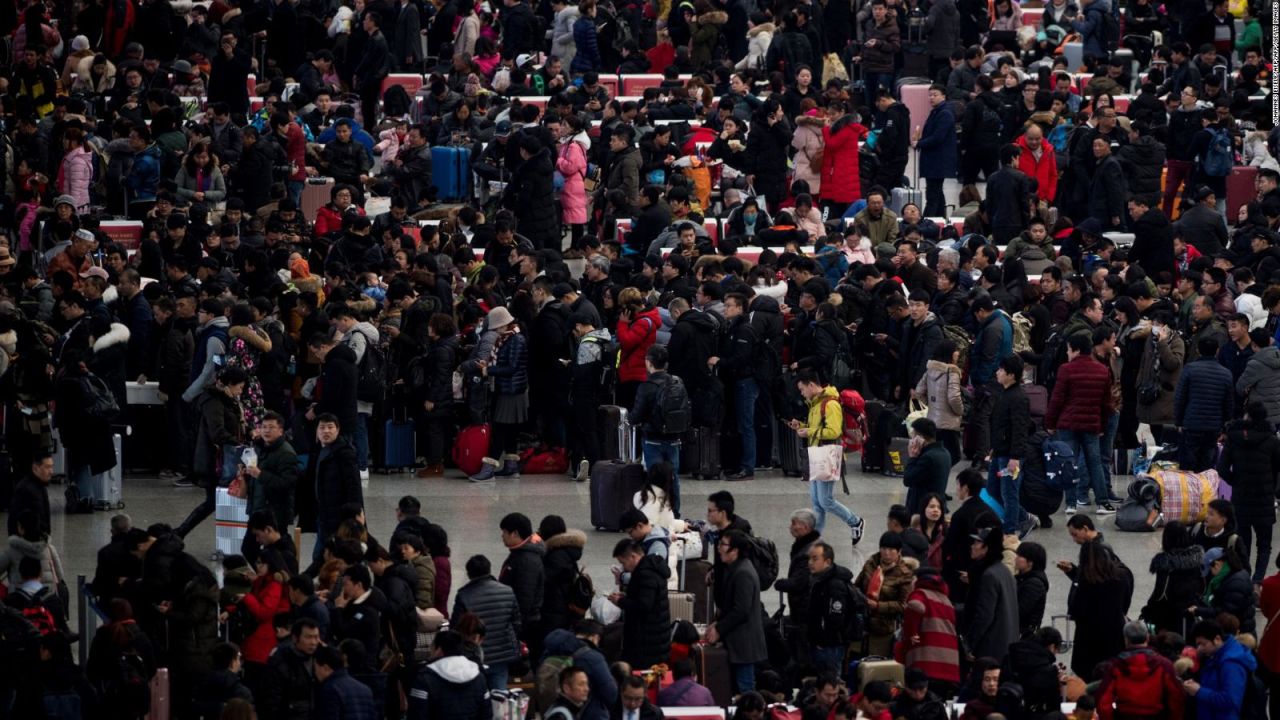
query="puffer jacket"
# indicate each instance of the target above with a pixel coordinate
(1205, 396)
(758, 39)
(495, 605)
(532, 195)
(895, 585)
(1234, 595)
(1250, 462)
(1260, 381)
(560, 567)
(586, 57)
(1143, 163)
(77, 176)
(262, 604)
(826, 419)
(273, 489)
(450, 688)
(807, 143)
(940, 386)
(510, 371)
(1222, 681)
(424, 589)
(706, 32)
(994, 342)
(1130, 681)
(888, 37)
(1081, 397)
(19, 548)
(646, 638)
(604, 689)
(634, 340)
(1170, 352)
(562, 40)
(524, 572)
(1178, 587)
(841, 181)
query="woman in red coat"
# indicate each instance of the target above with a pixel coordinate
(341, 201)
(637, 331)
(841, 186)
(266, 599)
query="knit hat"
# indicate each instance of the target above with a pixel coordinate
(498, 317)
(79, 43)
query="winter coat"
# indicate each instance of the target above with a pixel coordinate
(1170, 353)
(144, 175)
(840, 180)
(531, 194)
(572, 166)
(424, 587)
(942, 29)
(213, 186)
(994, 342)
(918, 343)
(510, 370)
(938, 139)
(1090, 27)
(77, 176)
(562, 34)
(274, 487)
(767, 155)
(523, 571)
(634, 339)
(604, 690)
(706, 33)
(398, 584)
(1099, 612)
(976, 134)
(267, 599)
(1035, 668)
(758, 40)
(1044, 170)
(1250, 463)
(1204, 397)
(449, 688)
(1007, 197)
(560, 567)
(586, 57)
(1129, 681)
(879, 59)
(50, 562)
(1235, 596)
(332, 480)
(895, 585)
(1152, 242)
(1010, 423)
(1179, 586)
(788, 50)
(1260, 381)
(807, 143)
(797, 580)
(495, 604)
(290, 692)
(926, 473)
(221, 424)
(1033, 589)
(1223, 678)
(30, 495)
(1143, 162)
(1107, 191)
(343, 696)
(830, 606)
(929, 615)
(646, 617)
(991, 613)
(741, 618)
(339, 377)
(1081, 397)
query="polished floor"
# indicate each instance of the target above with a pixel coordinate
(471, 512)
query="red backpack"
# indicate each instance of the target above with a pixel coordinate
(855, 419)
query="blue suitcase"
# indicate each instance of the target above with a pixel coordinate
(451, 172)
(401, 444)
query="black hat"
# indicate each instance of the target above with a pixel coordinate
(891, 541)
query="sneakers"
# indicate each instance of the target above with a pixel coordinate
(584, 471)
(364, 478)
(855, 531)
(488, 468)
(741, 475)
(1070, 509)
(184, 481)
(1105, 508)
(170, 475)
(431, 470)
(1027, 526)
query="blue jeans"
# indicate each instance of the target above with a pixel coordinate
(829, 659)
(1088, 443)
(295, 192)
(744, 676)
(822, 496)
(745, 393)
(79, 476)
(1009, 489)
(323, 532)
(495, 674)
(1107, 449)
(656, 451)
(362, 441)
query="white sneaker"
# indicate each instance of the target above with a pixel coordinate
(584, 471)
(364, 479)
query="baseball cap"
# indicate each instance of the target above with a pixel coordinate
(95, 271)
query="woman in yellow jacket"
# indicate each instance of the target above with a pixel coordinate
(823, 432)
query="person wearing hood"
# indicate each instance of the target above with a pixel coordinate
(990, 623)
(706, 31)
(531, 195)
(221, 431)
(830, 605)
(1178, 583)
(1226, 670)
(449, 687)
(560, 570)
(1260, 381)
(525, 573)
(562, 36)
(646, 615)
(886, 580)
(930, 644)
(571, 165)
(759, 35)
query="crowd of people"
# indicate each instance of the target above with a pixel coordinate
(502, 267)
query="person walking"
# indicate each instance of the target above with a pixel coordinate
(823, 432)
(663, 410)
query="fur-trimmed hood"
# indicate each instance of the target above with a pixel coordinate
(715, 17)
(813, 122)
(1188, 558)
(118, 335)
(363, 305)
(309, 284)
(255, 338)
(568, 538)
(761, 28)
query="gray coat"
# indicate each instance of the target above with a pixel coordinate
(943, 28)
(1171, 352)
(991, 615)
(495, 605)
(940, 388)
(562, 45)
(624, 175)
(741, 622)
(1260, 381)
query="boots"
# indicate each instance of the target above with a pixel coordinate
(487, 470)
(510, 466)
(431, 470)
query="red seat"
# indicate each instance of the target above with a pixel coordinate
(1031, 16)
(635, 84)
(610, 83)
(411, 82)
(125, 233)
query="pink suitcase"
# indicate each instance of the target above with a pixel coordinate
(161, 706)
(1240, 190)
(916, 98)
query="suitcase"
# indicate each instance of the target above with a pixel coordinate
(161, 701)
(700, 454)
(230, 521)
(1240, 190)
(400, 442)
(1038, 400)
(716, 674)
(793, 453)
(619, 440)
(693, 581)
(470, 447)
(315, 194)
(681, 606)
(895, 457)
(878, 668)
(874, 445)
(900, 196)
(108, 487)
(614, 485)
(451, 172)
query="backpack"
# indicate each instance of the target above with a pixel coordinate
(855, 419)
(546, 682)
(991, 122)
(1254, 704)
(372, 372)
(764, 555)
(1021, 333)
(1055, 353)
(1220, 157)
(581, 592)
(609, 350)
(98, 399)
(1110, 30)
(963, 341)
(40, 617)
(675, 413)
(1059, 463)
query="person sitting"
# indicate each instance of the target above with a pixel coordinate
(685, 691)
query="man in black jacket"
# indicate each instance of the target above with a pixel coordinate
(355, 615)
(1007, 192)
(894, 143)
(1107, 187)
(980, 133)
(737, 362)
(692, 343)
(450, 687)
(288, 690)
(519, 28)
(662, 416)
(1152, 236)
(646, 614)
(972, 514)
(374, 65)
(332, 480)
(1010, 423)
(796, 582)
(831, 608)
(550, 357)
(339, 377)
(31, 494)
(524, 573)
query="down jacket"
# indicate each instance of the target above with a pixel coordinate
(840, 180)
(1081, 397)
(1250, 463)
(807, 143)
(1260, 381)
(450, 688)
(1170, 353)
(1204, 397)
(531, 194)
(523, 571)
(1178, 587)
(560, 565)
(758, 39)
(77, 176)
(646, 635)
(495, 605)
(634, 340)
(940, 386)
(571, 163)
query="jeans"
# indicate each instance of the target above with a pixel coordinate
(744, 676)
(745, 393)
(1178, 172)
(1196, 450)
(656, 451)
(935, 202)
(1246, 530)
(822, 496)
(323, 532)
(828, 659)
(362, 441)
(1107, 450)
(495, 675)
(1009, 492)
(950, 439)
(295, 191)
(1083, 441)
(79, 476)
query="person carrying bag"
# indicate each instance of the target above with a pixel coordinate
(824, 433)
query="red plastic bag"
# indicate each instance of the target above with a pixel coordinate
(543, 460)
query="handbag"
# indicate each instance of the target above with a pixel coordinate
(1149, 392)
(430, 622)
(825, 462)
(591, 178)
(918, 410)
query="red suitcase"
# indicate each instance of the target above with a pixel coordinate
(1240, 190)
(470, 448)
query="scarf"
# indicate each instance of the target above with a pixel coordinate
(1215, 582)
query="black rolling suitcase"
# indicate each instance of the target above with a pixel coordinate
(874, 446)
(791, 449)
(700, 454)
(613, 488)
(618, 440)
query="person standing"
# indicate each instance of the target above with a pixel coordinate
(218, 440)
(340, 694)
(830, 608)
(1249, 464)
(331, 481)
(930, 641)
(31, 494)
(1077, 412)
(740, 622)
(1107, 187)
(662, 409)
(1010, 424)
(495, 605)
(990, 622)
(525, 573)
(737, 362)
(1008, 193)
(1202, 405)
(1226, 670)
(928, 465)
(937, 150)
(374, 65)
(823, 432)
(646, 615)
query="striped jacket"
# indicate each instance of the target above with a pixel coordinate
(930, 617)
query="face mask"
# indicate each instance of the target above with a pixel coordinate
(749, 218)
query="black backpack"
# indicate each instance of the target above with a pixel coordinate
(372, 372)
(674, 412)
(764, 555)
(1055, 353)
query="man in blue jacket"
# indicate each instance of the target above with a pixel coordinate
(1226, 674)
(1201, 406)
(993, 341)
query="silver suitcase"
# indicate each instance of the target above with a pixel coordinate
(108, 487)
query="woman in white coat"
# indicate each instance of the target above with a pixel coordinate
(759, 35)
(562, 45)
